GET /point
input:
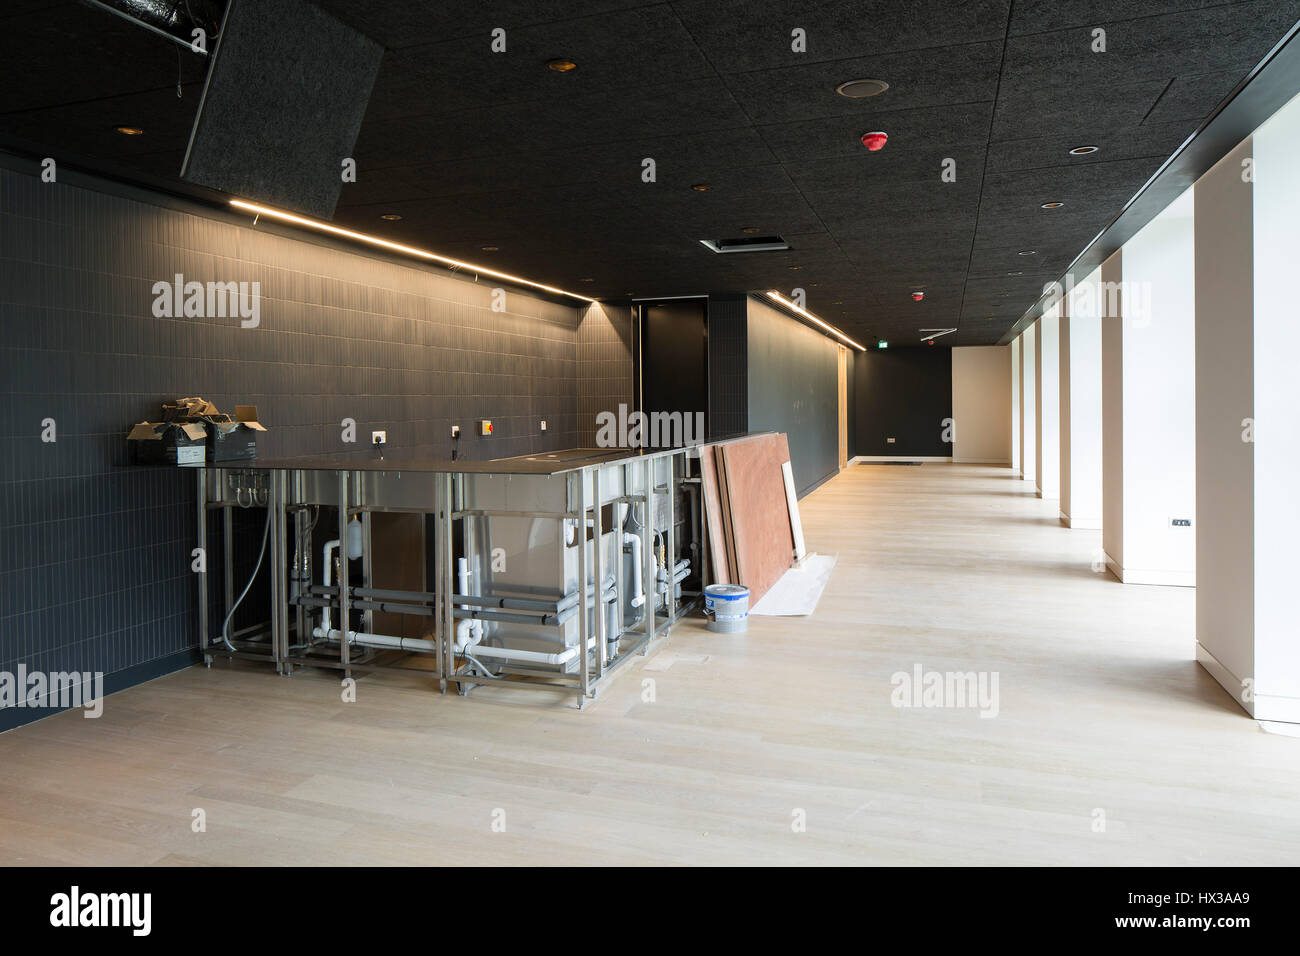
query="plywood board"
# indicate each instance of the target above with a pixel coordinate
(718, 550)
(760, 517)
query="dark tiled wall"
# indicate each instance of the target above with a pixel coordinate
(604, 365)
(95, 555)
(728, 366)
(794, 388)
(904, 394)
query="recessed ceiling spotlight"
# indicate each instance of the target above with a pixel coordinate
(1083, 150)
(1052, 205)
(839, 302)
(390, 216)
(796, 267)
(561, 65)
(130, 130)
(586, 280)
(1028, 252)
(701, 187)
(861, 89)
(750, 229)
(1015, 273)
(490, 248)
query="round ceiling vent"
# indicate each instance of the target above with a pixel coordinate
(861, 89)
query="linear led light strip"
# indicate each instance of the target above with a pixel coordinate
(812, 318)
(399, 247)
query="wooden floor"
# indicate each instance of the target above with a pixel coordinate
(954, 568)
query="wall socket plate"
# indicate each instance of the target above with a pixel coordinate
(889, 441)
(455, 431)
(543, 424)
(379, 438)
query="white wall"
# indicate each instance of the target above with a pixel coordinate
(1028, 403)
(1112, 415)
(981, 404)
(1276, 213)
(1225, 499)
(1080, 387)
(1047, 414)
(1159, 328)
(1015, 404)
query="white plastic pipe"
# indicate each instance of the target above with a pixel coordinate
(376, 640)
(468, 630)
(635, 541)
(532, 657)
(329, 576)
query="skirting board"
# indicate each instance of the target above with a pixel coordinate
(868, 459)
(1175, 579)
(981, 461)
(1226, 678)
(1081, 524)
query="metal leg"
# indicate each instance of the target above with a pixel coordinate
(203, 550)
(647, 569)
(344, 651)
(446, 577)
(584, 625)
(597, 573)
(273, 549)
(670, 541)
(367, 568)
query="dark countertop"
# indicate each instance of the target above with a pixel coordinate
(542, 463)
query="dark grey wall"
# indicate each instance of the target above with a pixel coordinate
(793, 388)
(95, 555)
(604, 366)
(728, 331)
(905, 393)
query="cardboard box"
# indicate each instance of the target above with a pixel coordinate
(189, 410)
(168, 443)
(234, 440)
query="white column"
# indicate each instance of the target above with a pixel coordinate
(1148, 403)
(1276, 210)
(1015, 405)
(1080, 388)
(1048, 410)
(1028, 405)
(1225, 474)
(1247, 391)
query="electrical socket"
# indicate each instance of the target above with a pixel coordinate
(455, 431)
(543, 424)
(379, 438)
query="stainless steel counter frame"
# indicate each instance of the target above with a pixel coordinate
(439, 489)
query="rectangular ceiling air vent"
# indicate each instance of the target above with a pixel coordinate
(747, 244)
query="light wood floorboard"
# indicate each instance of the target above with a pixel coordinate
(955, 567)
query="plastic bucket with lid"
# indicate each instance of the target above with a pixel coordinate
(727, 607)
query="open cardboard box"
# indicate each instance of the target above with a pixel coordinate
(234, 440)
(192, 430)
(168, 443)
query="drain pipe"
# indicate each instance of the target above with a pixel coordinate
(468, 630)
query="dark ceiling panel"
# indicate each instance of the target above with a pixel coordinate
(917, 78)
(475, 148)
(740, 36)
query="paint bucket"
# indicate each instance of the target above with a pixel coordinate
(727, 607)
